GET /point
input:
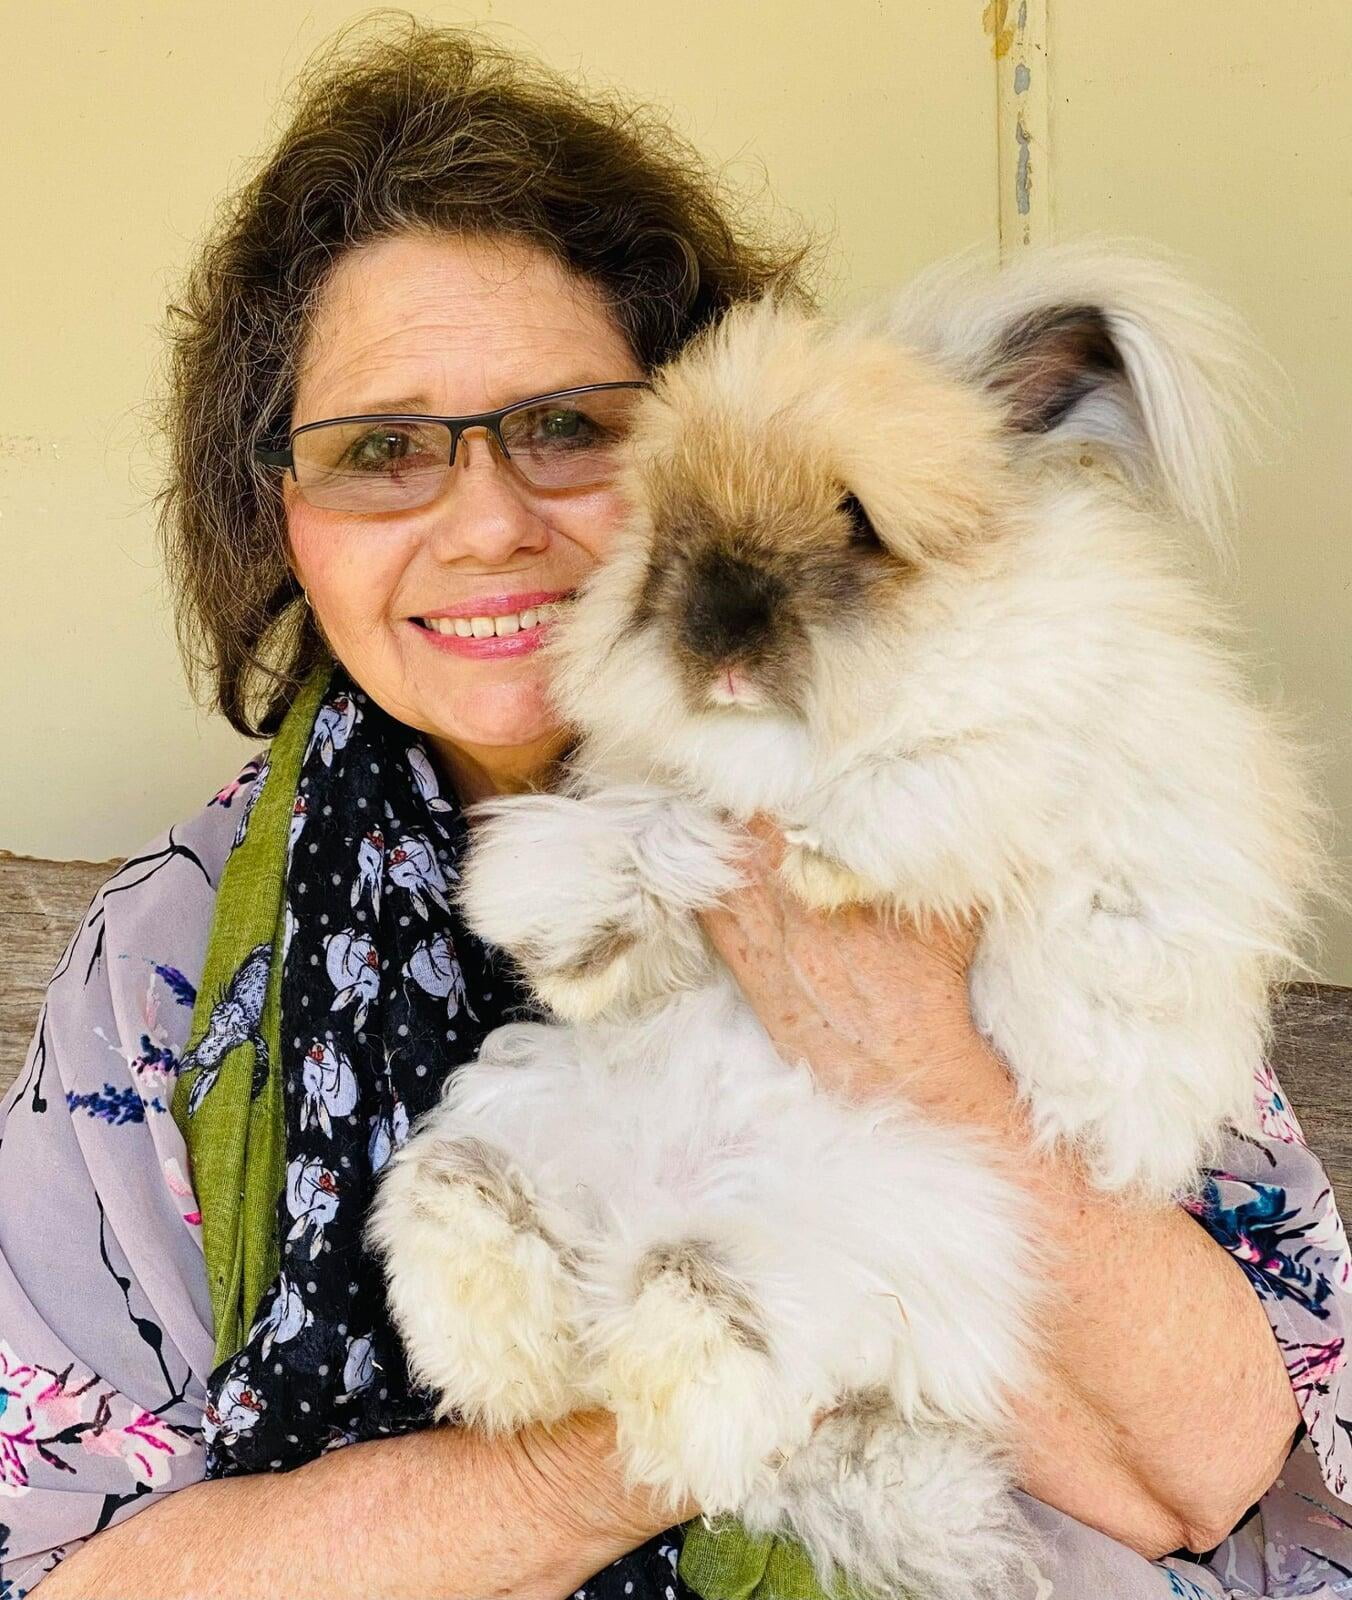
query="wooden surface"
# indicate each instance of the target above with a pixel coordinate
(1312, 1056)
(42, 903)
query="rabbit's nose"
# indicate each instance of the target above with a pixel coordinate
(730, 608)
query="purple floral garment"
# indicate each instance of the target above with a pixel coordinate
(105, 1320)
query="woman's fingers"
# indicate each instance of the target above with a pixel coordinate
(764, 908)
(771, 839)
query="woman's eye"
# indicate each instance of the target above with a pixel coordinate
(378, 449)
(561, 425)
(564, 424)
(388, 449)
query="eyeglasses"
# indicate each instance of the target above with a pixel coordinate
(569, 439)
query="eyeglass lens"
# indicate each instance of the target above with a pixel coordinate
(570, 443)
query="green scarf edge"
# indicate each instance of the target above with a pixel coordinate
(236, 1147)
(722, 1561)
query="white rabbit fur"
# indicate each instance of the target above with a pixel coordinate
(964, 666)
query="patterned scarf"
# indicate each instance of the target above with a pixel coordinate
(340, 987)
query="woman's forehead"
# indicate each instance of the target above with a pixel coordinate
(453, 322)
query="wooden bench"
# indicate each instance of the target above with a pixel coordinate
(42, 902)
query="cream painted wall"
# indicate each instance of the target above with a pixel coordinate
(1230, 140)
(875, 120)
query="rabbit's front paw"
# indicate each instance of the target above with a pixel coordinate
(481, 1288)
(543, 873)
(595, 897)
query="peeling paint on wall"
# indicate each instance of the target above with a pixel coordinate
(1023, 175)
(995, 20)
(1023, 108)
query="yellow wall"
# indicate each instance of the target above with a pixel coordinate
(1199, 125)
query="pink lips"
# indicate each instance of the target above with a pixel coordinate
(492, 605)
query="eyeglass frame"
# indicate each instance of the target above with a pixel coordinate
(492, 421)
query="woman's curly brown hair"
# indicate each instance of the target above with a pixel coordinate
(414, 128)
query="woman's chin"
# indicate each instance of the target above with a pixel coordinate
(516, 711)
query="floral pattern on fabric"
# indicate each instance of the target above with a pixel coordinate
(1272, 1207)
(103, 1336)
(104, 1311)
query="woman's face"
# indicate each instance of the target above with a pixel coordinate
(448, 326)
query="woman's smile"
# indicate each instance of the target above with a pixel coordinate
(491, 627)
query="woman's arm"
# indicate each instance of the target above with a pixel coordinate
(444, 1514)
(1163, 1408)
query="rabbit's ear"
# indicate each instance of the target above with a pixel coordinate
(1092, 342)
(1050, 360)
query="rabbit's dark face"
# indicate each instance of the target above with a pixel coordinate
(790, 487)
(738, 592)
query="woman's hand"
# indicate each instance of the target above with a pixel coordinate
(1162, 1407)
(572, 1475)
(871, 1006)
(442, 1514)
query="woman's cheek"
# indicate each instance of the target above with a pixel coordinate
(349, 579)
(598, 522)
(313, 556)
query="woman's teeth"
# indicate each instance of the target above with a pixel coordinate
(499, 627)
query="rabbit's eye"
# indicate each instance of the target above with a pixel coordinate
(862, 532)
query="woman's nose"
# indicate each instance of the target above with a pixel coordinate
(484, 511)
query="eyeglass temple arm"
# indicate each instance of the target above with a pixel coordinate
(274, 458)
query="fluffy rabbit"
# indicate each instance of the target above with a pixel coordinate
(911, 586)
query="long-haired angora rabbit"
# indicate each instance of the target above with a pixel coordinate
(909, 586)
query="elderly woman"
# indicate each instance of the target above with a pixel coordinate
(402, 369)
